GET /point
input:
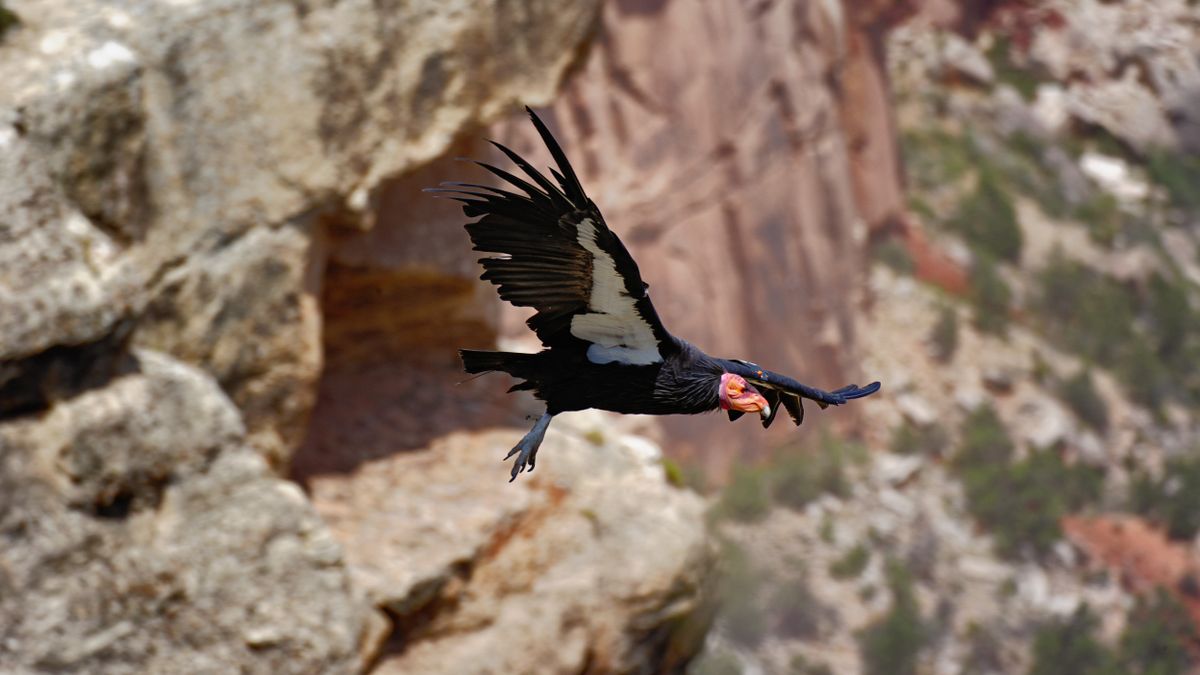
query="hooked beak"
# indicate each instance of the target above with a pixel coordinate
(765, 413)
(739, 395)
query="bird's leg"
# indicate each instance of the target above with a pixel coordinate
(528, 446)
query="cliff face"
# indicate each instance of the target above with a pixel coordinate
(165, 170)
(216, 269)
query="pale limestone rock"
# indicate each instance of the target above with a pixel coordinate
(969, 397)
(162, 159)
(1131, 65)
(916, 409)
(592, 558)
(144, 535)
(1113, 174)
(897, 469)
(962, 57)
(1050, 106)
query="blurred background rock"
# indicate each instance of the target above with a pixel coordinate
(233, 432)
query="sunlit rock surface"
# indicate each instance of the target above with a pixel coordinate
(590, 563)
(142, 534)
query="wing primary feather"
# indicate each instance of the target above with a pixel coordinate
(794, 407)
(552, 190)
(534, 193)
(500, 192)
(551, 250)
(772, 397)
(569, 180)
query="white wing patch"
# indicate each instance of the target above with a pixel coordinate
(615, 329)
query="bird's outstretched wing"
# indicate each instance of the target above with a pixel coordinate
(791, 400)
(779, 389)
(558, 256)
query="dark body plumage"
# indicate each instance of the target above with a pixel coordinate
(566, 380)
(605, 346)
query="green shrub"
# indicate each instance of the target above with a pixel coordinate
(1102, 215)
(944, 334)
(935, 158)
(1070, 646)
(1156, 642)
(1084, 311)
(909, 439)
(892, 252)
(1006, 71)
(717, 662)
(988, 219)
(797, 611)
(1020, 503)
(1040, 369)
(852, 564)
(739, 591)
(802, 666)
(687, 475)
(1148, 339)
(1041, 490)
(921, 208)
(1081, 397)
(745, 498)
(672, 472)
(990, 295)
(1026, 171)
(1157, 637)
(826, 530)
(1145, 376)
(892, 644)
(1170, 317)
(797, 477)
(1166, 363)
(1178, 174)
(7, 19)
(1172, 500)
(985, 440)
(985, 652)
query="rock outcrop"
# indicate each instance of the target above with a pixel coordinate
(143, 534)
(590, 564)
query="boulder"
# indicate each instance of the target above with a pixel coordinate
(592, 562)
(143, 534)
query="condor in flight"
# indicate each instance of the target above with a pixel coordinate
(605, 346)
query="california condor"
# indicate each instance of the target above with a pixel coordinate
(605, 346)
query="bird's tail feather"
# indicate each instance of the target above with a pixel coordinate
(518, 365)
(478, 361)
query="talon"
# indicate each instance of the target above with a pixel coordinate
(528, 447)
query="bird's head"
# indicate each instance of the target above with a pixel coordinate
(739, 395)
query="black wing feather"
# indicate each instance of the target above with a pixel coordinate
(537, 231)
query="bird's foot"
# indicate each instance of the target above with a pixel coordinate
(526, 453)
(526, 449)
